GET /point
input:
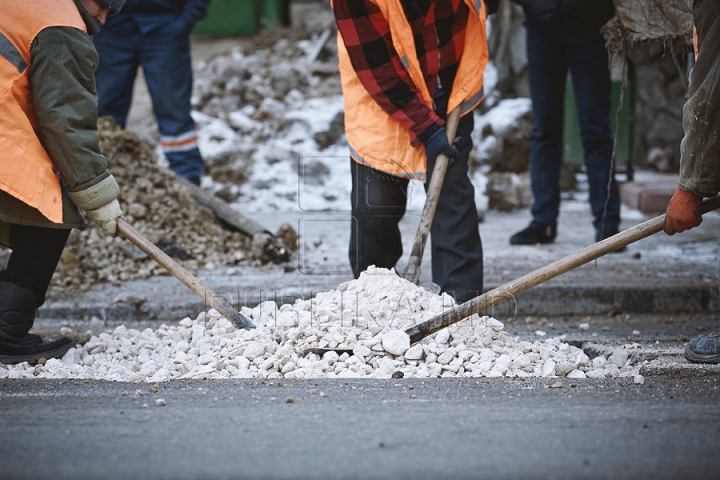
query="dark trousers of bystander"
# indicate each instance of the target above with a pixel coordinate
(550, 54)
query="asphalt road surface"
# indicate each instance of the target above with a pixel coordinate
(668, 427)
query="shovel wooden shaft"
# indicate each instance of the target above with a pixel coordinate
(176, 270)
(412, 270)
(543, 274)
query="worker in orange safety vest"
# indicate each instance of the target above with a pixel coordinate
(403, 67)
(50, 165)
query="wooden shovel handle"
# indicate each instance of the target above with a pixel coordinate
(543, 274)
(412, 270)
(176, 270)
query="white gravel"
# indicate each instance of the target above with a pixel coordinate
(358, 328)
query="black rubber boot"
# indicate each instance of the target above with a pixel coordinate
(535, 233)
(17, 315)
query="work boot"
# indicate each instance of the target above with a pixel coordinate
(704, 349)
(607, 233)
(17, 315)
(535, 233)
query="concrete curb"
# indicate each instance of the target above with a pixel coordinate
(659, 274)
(172, 304)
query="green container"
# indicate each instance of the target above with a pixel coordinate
(235, 18)
(273, 13)
(623, 132)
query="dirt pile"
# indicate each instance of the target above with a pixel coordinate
(157, 205)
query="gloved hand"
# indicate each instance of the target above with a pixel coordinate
(106, 217)
(437, 144)
(683, 212)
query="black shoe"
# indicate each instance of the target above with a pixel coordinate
(607, 233)
(704, 349)
(32, 348)
(17, 315)
(534, 233)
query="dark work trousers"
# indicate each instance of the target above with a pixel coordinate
(164, 54)
(35, 256)
(550, 54)
(379, 203)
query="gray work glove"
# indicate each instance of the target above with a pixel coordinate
(106, 217)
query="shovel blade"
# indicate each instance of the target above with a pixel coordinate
(243, 322)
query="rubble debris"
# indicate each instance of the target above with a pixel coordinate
(171, 249)
(263, 112)
(289, 236)
(658, 116)
(269, 249)
(356, 330)
(501, 152)
(501, 136)
(269, 66)
(157, 205)
(507, 191)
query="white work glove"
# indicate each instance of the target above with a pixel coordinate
(106, 217)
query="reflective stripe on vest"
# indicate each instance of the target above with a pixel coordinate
(11, 54)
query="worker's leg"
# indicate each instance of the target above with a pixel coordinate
(378, 203)
(457, 255)
(115, 74)
(166, 62)
(34, 258)
(700, 161)
(588, 60)
(547, 71)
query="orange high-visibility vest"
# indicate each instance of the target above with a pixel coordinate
(375, 138)
(26, 170)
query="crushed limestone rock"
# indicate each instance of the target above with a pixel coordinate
(364, 319)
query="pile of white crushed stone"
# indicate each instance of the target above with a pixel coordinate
(354, 331)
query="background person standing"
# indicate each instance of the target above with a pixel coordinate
(154, 35)
(565, 35)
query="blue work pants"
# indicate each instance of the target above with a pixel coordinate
(164, 54)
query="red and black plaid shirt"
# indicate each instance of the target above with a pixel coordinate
(438, 28)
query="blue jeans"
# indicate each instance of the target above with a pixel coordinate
(550, 55)
(164, 54)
